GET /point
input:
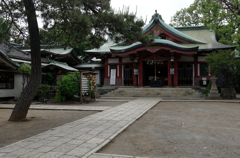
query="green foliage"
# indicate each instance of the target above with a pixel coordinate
(208, 88)
(50, 79)
(4, 31)
(93, 93)
(43, 90)
(69, 87)
(220, 16)
(190, 16)
(225, 62)
(25, 70)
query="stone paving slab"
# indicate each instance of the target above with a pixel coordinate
(112, 100)
(221, 101)
(60, 107)
(83, 137)
(100, 155)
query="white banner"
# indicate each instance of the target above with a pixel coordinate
(113, 77)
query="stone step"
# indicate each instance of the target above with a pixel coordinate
(171, 93)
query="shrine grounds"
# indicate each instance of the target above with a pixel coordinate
(182, 130)
(39, 121)
(168, 129)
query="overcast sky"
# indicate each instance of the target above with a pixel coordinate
(146, 8)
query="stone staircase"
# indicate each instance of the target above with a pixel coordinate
(164, 93)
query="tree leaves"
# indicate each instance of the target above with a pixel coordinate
(222, 16)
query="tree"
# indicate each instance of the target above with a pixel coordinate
(71, 21)
(69, 87)
(25, 70)
(222, 16)
(224, 62)
(190, 16)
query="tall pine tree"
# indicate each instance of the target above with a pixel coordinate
(71, 21)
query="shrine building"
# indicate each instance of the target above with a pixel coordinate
(174, 58)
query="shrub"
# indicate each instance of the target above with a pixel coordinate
(69, 87)
(208, 88)
(43, 90)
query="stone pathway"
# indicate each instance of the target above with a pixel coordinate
(83, 137)
(59, 107)
(100, 155)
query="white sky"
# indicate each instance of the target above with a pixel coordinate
(146, 8)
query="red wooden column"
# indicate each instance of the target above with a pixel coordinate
(195, 66)
(140, 71)
(120, 68)
(176, 71)
(169, 76)
(134, 76)
(106, 67)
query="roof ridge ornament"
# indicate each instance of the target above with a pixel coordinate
(156, 16)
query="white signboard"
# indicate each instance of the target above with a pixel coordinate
(172, 71)
(135, 71)
(204, 82)
(113, 77)
(204, 79)
(85, 86)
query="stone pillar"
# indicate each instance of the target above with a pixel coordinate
(214, 91)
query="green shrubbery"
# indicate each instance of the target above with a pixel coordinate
(208, 88)
(69, 87)
(43, 90)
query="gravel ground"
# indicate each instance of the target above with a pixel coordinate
(182, 130)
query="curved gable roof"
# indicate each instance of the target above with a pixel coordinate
(157, 19)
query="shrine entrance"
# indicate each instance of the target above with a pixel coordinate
(155, 73)
(127, 75)
(185, 74)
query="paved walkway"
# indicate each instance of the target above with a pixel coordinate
(83, 137)
(100, 155)
(60, 107)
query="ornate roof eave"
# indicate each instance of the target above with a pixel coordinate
(157, 44)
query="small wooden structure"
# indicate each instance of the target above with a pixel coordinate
(90, 84)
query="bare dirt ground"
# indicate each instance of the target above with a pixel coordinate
(182, 130)
(37, 122)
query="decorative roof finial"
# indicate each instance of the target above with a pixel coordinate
(156, 11)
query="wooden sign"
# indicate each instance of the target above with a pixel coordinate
(85, 86)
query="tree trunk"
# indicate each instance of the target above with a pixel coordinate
(21, 108)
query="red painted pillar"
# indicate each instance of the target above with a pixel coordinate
(169, 75)
(134, 76)
(195, 66)
(140, 71)
(176, 71)
(120, 68)
(106, 67)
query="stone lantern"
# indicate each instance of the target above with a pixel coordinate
(214, 91)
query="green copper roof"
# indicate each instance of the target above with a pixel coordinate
(8, 59)
(156, 42)
(61, 65)
(157, 18)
